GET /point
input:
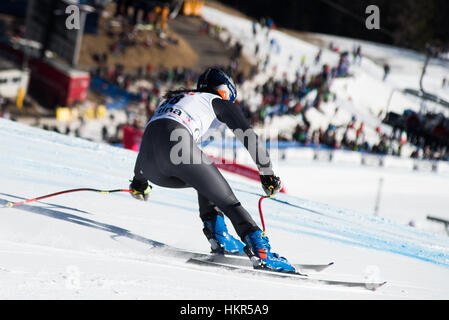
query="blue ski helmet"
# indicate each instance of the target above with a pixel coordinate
(217, 80)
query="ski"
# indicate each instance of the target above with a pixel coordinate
(295, 276)
(237, 259)
(243, 261)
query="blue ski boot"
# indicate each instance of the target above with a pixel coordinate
(219, 238)
(258, 250)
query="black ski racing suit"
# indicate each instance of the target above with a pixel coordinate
(154, 164)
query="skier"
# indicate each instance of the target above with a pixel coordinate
(387, 69)
(192, 115)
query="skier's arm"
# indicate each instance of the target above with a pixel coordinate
(233, 117)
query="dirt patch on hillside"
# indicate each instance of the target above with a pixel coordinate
(145, 47)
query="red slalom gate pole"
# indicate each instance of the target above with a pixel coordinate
(12, 204)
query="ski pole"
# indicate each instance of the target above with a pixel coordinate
(260, 207)
(260, 212)
(12, 204)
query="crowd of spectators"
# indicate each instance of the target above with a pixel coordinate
(145, 11)
(280, 97)
(429, 132)
(285, 98)
(352, 138)
(128, 35)
(158, 80)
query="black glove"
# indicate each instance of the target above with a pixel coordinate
(140, 189)
(271, 184)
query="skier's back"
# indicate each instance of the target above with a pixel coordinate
(170, 157)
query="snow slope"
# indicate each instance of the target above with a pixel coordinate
(95, 246)
(406, 64)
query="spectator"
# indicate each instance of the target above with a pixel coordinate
(386, 71)
(318, 56)
(357, 54)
